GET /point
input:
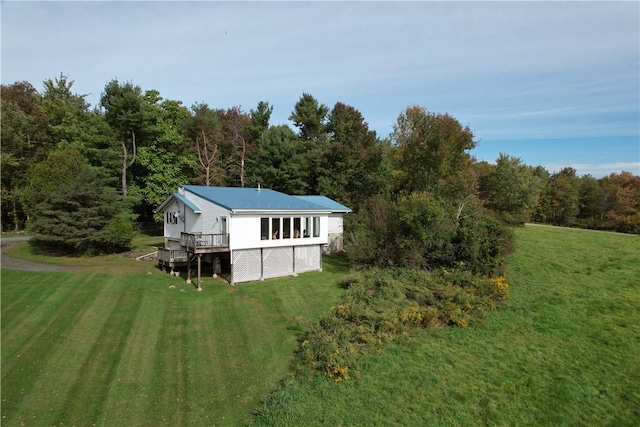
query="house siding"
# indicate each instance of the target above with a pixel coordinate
(245, 232)
(209, 221)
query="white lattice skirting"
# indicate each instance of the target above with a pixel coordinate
(246, 265)
(307, 258)
(256, 264)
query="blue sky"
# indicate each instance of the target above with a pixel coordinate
(554, 83)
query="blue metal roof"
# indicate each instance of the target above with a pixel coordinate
(187, 202)
(263, 199)
(326, 202)
(181, 198)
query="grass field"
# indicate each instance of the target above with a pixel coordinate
(565, 352)
(143, 348)
(139, 347)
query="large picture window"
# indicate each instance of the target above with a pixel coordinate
(275, 228)
(306, 228)
(264, 228)
(296, 228)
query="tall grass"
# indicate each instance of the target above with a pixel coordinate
(564, 352)
(143, 348)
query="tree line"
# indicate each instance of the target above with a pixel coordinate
(72, 170)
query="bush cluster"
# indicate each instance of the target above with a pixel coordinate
(382, 304)
(421, 230)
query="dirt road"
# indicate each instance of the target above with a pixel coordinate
(9, 263)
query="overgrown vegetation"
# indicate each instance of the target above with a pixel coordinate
(563, 351)
(421, 230)
(380, 305)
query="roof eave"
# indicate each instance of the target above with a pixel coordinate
(180, 198)
(279, 211)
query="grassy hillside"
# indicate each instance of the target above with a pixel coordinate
(139, 347)
(143, 348)
(564, 352)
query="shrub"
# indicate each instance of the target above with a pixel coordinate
(420, 230)
(380, 305)
(119, 234)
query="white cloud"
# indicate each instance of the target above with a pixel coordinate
(510, 70)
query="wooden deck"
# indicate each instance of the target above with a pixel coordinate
(204, 243)
(172, 257)
(192, 247)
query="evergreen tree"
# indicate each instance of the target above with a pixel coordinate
(278, 162)
(72, 210)
(355, 164)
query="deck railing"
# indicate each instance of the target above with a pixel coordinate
(204, 242)
(169, 256)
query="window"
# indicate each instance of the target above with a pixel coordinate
(286, 228)
(306, 229)
(264, 228)
(296, 228)
(172, 217)
(275, 228)
(316, 226)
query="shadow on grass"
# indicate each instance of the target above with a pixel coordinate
(41, 247)
(336, 263)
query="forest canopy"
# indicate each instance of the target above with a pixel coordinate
(420, 184)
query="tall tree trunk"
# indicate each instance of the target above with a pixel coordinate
(206, 160)
(126, 165)
(16, 223)
(124, 169)
(244, 149)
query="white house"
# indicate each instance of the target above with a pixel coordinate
(335, 226)
(259, 233)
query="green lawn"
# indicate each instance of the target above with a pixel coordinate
(143, 348)
(139, 347)
(566, 351)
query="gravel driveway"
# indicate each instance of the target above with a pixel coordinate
(18, 264)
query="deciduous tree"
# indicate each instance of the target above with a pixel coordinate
(123, 104)
(206, 135)
(512, 190)
(164, 162)
(432, 153)
(563, 196)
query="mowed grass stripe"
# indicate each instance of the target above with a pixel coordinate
(234, 352)
(16, 298)
(128, 400)
(161, 353)
(21, 371)
(65, 362)
(167, 395)
(85, 401)
(35, 303)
